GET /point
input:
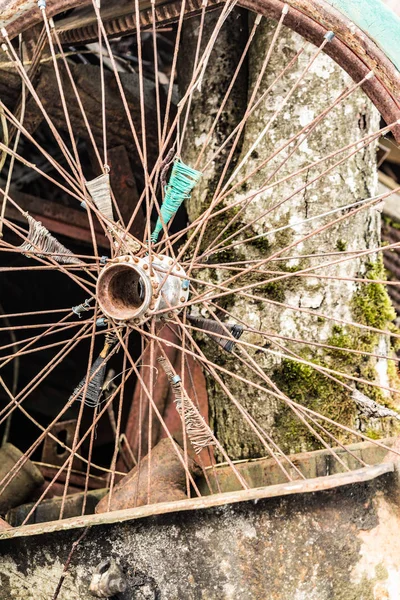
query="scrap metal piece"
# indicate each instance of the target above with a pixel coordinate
(53, 452)
(108, 579)
(26, 480)
(49, 509)
(167, 479)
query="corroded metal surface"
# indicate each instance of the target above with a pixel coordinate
(123, 20)
(167, 480)
(27, 479)
(262, 475)
(353, 50)
(70, 222)
(49, 510)
(333, 545)
(108, 579)
(326, 538)
(216, 500)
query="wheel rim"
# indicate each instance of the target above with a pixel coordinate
(162, 295)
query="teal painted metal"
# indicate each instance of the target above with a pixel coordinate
(377, 20)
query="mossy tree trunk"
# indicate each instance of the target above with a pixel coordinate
(354, 180)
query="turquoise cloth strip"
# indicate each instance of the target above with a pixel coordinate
(181, 183)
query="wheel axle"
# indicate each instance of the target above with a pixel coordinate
(131, 289)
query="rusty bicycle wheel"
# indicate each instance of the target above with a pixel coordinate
(190, 253)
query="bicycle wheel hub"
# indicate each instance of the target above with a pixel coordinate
(132, 289)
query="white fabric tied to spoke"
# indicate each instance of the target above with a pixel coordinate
(100, 191)
(197, 430)
(41, 243)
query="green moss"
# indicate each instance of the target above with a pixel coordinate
(381, 572)
(273, 291)
(309, 387)
(262, 244)
(341, 245)
(390, 222)
(372, 433)
(395, 341)
(371, 304)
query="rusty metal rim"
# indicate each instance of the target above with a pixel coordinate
(352, 49)
(317, 484)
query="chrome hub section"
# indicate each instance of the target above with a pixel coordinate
(132, 289)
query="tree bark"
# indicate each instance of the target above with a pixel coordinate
(364, 303)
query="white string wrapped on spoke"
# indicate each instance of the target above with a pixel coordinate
(41, 243)
(197, 430)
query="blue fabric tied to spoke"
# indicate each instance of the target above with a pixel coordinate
(181, 183)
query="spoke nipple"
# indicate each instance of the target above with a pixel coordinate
(4, 47)
(42, 4)
(51, 23)
(4, 33)
(101, 322)
(185, 284)
(370, 75)
(83, 205)
(80, 308)
(176, 379)
(103, 260)
(329, 36)
(285, 9)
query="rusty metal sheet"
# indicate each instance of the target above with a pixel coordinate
(53, 453)
(67, 221)
(286, 489)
